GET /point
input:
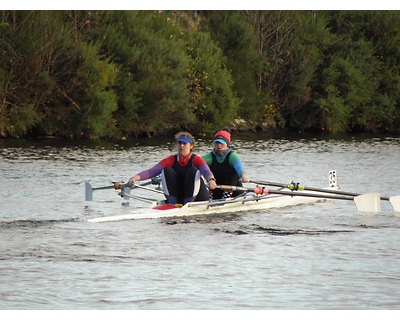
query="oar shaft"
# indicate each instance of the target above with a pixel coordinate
(113, 186)
(120, 185)
(145, 188)
(365, 202)
(301, 187)
(116, 185)
(265, 191)
(103, 188)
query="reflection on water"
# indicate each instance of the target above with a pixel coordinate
(321, 256)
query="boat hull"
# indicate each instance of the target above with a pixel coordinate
(246, 203)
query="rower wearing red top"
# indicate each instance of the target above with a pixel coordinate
(225, 165)
(181, 173)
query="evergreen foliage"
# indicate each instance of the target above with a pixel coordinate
(97, 74)
(233, 34)
(214, 103)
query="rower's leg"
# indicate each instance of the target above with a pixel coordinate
(203, 194)
(217, 194)
(194, 187)
(170, 185)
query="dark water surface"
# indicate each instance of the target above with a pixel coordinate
(320, 256)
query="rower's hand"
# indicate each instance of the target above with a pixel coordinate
(132, 181)
(244, 177)
(212, 184)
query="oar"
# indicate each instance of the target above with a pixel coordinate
(89, 190)
(140, 186)
(116, 185)
(394, 200)
(365, 202)
(128, 196)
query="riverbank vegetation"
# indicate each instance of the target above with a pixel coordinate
(99, 74)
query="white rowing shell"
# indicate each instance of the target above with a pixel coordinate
(246, 203)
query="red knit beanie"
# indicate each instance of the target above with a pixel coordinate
(222, 136)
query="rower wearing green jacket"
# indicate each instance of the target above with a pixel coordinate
(225, 164)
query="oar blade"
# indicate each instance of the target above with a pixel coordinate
(88, 191)
(395, 202)
(369, 202)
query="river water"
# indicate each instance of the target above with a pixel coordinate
(321, 256)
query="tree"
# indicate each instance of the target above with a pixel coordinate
(95, 74)
(355, 95)
(27, 41)
(153, 66)
(213, 100)
(296, 80)
(233, 34)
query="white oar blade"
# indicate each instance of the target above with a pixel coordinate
(395, 202)
(369, 202)
(88, 191)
